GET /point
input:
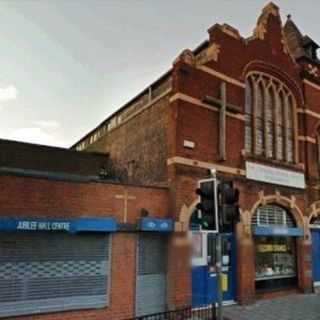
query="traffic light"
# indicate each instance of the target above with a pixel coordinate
(228, 205)
(207, 205)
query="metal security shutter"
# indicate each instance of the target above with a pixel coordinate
(151, 283)
(46, 272)
(272, 215)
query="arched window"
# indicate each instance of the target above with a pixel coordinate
(248, 116)
(318, 148)
(269, 118)
(272, 215)
(269, 122)
(259, 117)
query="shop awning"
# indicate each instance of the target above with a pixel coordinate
(67, 225)
(278, 231)
(158, 225)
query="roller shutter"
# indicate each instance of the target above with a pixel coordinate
(46, 272)
(151, 285)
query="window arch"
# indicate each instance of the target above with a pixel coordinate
(318, 148)
(269, 118)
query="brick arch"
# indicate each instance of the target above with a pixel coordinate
(315, 129)
(185, 214)
(246, 215)
(278, 199)
(314, 211)
(275, 71)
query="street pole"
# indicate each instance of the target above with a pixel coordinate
(213, 173)
(219, 274)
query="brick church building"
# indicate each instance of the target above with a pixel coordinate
(247, 107)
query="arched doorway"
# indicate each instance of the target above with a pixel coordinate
(203, 260)
(274, 233)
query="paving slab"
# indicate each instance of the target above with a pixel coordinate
(293, 307)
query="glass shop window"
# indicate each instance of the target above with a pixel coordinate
(275, 258)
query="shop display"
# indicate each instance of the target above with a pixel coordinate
(275, 258)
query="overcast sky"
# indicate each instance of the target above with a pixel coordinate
(65, 65)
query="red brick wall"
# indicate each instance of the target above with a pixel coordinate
(31, 197)
(138, 147)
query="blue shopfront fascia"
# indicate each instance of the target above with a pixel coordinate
(66, 225)
(156, 225)
(278, 231)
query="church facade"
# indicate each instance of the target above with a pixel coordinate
(247, 107)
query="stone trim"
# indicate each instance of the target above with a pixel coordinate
(205, 165)
(313, 211)
(307, 139)
(199, 103)
(221, 76)
(311, 84)
(277, 198)
(309, 112)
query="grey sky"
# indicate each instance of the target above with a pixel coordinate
(65, 65)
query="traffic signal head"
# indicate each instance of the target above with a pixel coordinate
(228, 195)
(228, 205)
(207, 205)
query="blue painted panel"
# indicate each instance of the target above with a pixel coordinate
(153, 224)
(278, 231)
(204, 283)
(94, 225)
(199, 286)
(71, 226)
(316, 255)
(212, 288)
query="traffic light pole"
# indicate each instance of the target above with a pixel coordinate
(219, 254)
(219, 275)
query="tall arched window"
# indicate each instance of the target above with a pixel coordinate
(269, 122)
(259, 117)
(318, 148)
(248, 116)
(269, 118)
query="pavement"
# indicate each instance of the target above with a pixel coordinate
(293, 307)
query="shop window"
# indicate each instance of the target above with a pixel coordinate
(275, 258)
(315, 222)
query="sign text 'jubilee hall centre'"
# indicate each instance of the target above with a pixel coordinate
(102, 230)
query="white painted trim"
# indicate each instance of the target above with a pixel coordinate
(203, 260)
(205, 165)
(222, 76)
(199, 103)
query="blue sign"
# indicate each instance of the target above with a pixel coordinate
(71, 226)
(159, 225)
(278, 231)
